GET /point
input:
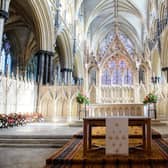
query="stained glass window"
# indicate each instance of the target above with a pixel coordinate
(112, 64)
(110, 37)
(105, 43)
(128, 77)
(106, 78)
(6, 59)
(127, 44)
(117, 72)
(122, 64)
(117, 77)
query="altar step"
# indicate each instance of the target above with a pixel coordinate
(77, 123)
(33, 141)
(158, 122)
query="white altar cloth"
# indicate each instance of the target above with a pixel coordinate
(117, 136)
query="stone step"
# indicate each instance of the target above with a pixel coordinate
(4, 145)
(34, 141)
(157, 122)
(35, 136)
(78, 123)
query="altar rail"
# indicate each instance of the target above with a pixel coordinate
(104, 110)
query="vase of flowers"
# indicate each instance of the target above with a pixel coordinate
(82, 99)
(150, 98)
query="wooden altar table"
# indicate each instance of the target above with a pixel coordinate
(145, 122)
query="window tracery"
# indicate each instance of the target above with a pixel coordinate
(117, 71)
(110, 37)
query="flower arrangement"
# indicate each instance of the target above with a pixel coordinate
(150, 98)
(82, 99)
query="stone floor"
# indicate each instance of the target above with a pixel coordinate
(162, 128)
(35, 157)
(38, 129)
(24, 157)
(28, 157)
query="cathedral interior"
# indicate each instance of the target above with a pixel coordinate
(113, 52)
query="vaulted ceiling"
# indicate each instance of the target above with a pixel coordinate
(130, 16)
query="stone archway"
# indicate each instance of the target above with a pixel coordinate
(29, 29)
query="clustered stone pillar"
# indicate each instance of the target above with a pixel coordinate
(165, 70)
(44, 65)
(66, 75)
(4, 7)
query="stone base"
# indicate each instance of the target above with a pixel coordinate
(158, 122)
(78, 123)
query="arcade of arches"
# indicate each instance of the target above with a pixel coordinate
(113, 51)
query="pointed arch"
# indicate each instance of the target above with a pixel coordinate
(44, 24)
(64, 43)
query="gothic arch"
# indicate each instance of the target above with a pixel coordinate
(116, 54)
(156, 65)
(63, 41)
(164, 48)
(47, 104)
(78, 65)
(29, 29)
(44, 24)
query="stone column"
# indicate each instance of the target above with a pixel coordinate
(69, 74)
(46, 75)
(4, 7)
(66, 75)
(44, 71)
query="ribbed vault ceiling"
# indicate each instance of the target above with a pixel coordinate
(101, 16)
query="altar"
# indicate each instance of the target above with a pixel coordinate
(144, 122)
(116, 109)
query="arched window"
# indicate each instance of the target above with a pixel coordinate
(106, 78)
(31, 69)
(6, 57)
(110, 37)
(92, 76)
(105, 43)
(117, 77)
(128, 77)
(117, 71)
(141, 75)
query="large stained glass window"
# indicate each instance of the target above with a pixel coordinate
(117, 71)
(116, 76)
(104, 45)
(128, 77)
(127, 44)
(6, 58)
(106, 78)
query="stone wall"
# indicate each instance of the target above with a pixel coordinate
(17, 95)
(58, 103)
(161, 90)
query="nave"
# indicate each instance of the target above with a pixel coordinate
(64, 60)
